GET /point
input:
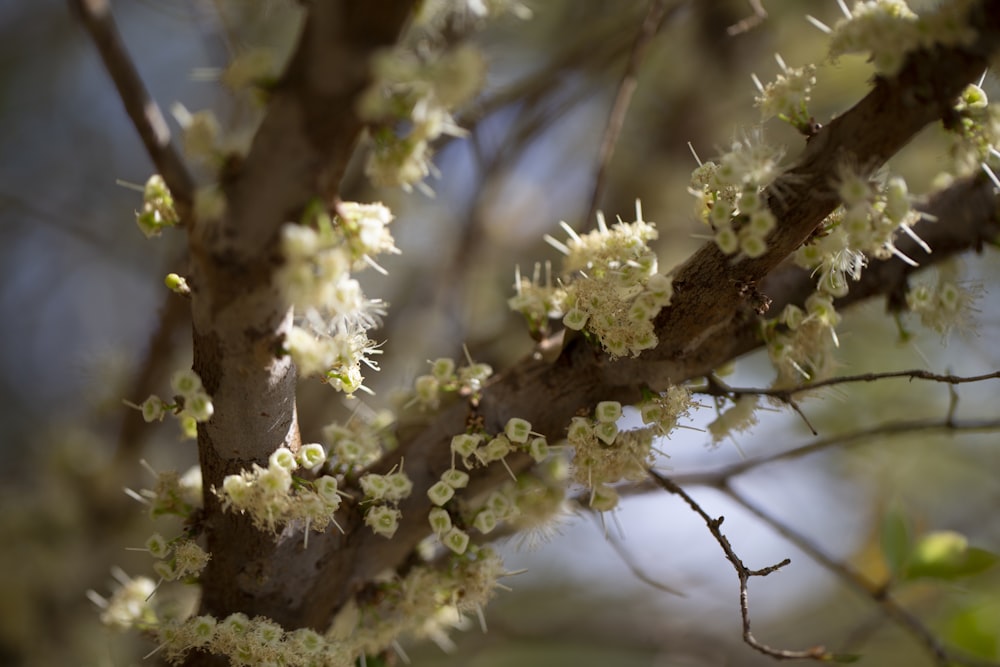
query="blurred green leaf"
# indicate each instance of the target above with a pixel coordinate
(845, 658)
(974, 629)
(895, 540)
(946, 555)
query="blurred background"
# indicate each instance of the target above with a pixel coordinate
(86, 323)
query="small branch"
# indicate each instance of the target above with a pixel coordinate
(948, 425)
(629, 561)
(141, 108)
(817, 653)
(785, 395)
(750, 22)
(877, 593)
(623, 98)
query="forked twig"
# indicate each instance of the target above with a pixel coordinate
(744, 573)
(877, 593)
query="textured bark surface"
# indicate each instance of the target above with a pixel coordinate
(299, 153)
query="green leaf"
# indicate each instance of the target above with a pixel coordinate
(845, 658)
(895, 540)
(946, 555)
(974, 629)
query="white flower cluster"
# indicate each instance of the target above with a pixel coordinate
(157, 208)
(274, 497)
(976, 136)
(192, 405)
(800, 342)
(251, 641)
(359, 442)
(177, 559)
(416, 89)
(177, 495)
(384, 492)
(945, 304)
(605, 455)
(739, 417)
(483, 514)
(445, 378)
(888, 30)
(729, 195)
(609, 286)
(424, 603)
(329, 336)
(130, 604)
(787, 96)
(865, 225)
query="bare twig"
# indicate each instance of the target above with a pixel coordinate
(744, 574)
(141, 108)
(877, 593)
(786, 394)
(630, 563)
(654, 18)
(894, 429)
(749, 23)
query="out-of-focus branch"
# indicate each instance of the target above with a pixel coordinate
(651, 23)
(744, 574)
(842, 441)
(141, 108)
(718, 388)
(750, 22)
(877, 593)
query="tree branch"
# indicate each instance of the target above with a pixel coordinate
(718, 388)
(817, 653)
(141, 108)
(651, 23)
(878, 594)
(710, 321)
(846, 440)
(299, 153)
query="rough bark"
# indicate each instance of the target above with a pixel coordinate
(299, 153)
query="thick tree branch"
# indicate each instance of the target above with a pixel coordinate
(141, 108)
(299, 153)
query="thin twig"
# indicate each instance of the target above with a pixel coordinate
(845, 440)
(716, 386)
(750, 22)
(744, 573)
(623, 98)
(141, 108)
(877, 593)
(629, 561)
